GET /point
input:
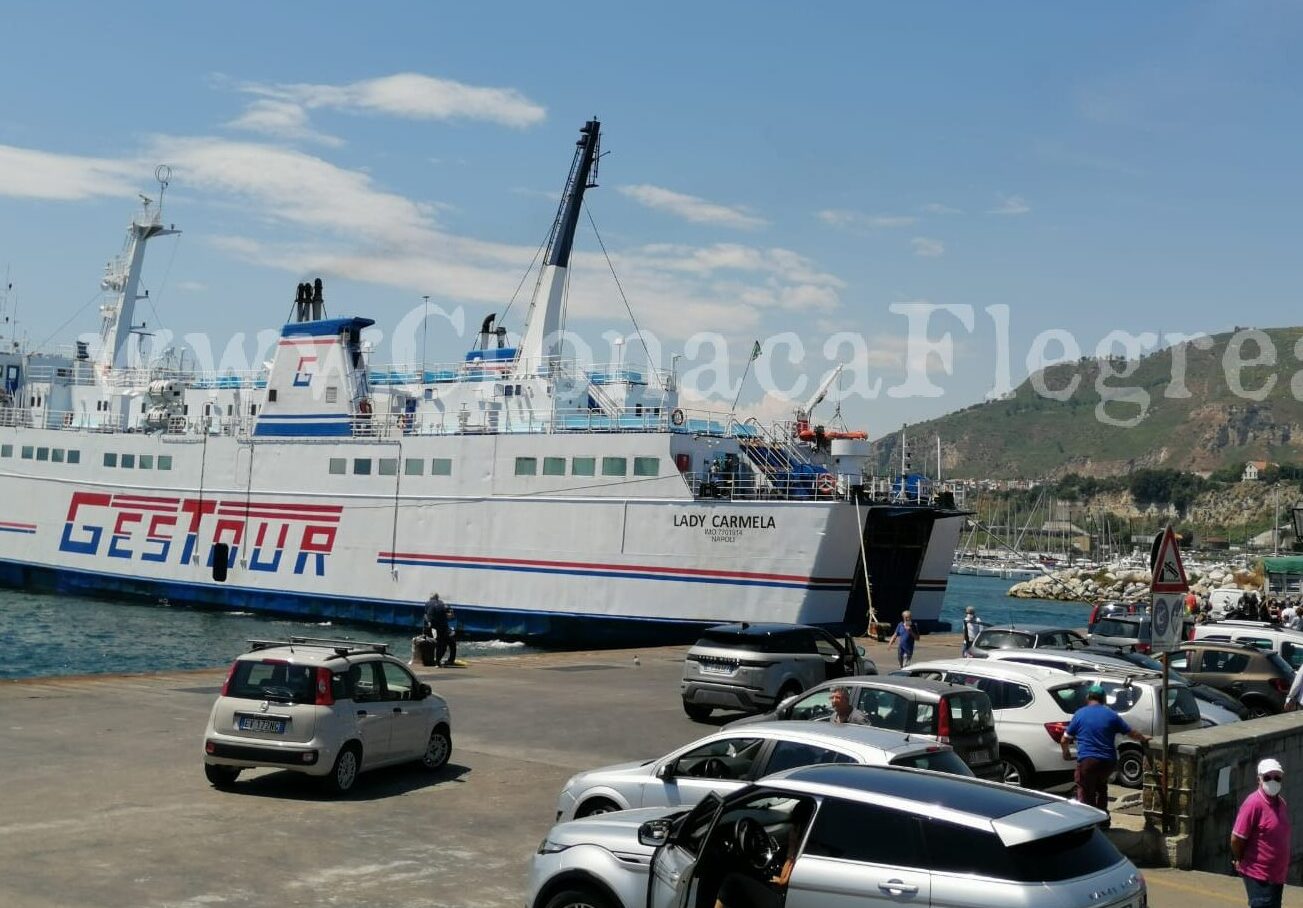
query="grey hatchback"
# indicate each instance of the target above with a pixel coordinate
(940, 711)
(1026, 636)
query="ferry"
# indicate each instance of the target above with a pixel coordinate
(547, 500)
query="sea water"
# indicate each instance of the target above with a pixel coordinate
(62, 635)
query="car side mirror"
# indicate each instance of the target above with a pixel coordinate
(654, 833)
(665, 771)
(784, 710)
(423, 691)
(859, 650)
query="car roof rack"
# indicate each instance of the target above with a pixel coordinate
(341, 647)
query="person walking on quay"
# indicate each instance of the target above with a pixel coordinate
(1260, 839)
(1093, 728)
(972, 627)
(450, 635)
(903, 639)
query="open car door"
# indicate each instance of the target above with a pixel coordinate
(669, 885)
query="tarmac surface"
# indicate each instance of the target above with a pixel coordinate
(105, 803)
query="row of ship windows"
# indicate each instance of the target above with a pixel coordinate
(388, 466)
(138, 461)
(53, 455)
(525, 466)
(587, 466)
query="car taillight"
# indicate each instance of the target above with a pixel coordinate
(325, 696)
(1143, 648)
(1056, 730)
(1280, 684)
(943, 721)
(226, 685)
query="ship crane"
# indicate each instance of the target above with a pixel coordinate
(817, 434)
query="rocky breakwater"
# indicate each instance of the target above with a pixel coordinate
(1125, 584)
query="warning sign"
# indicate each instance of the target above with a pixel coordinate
(1169, 572)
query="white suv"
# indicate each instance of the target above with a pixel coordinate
(1029, 719)
(1263, 635)
(329, 708)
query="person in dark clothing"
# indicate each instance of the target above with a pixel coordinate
(449, 634)
(436, 624)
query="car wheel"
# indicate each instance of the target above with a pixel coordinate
(1258, 708)
(1016, 770)
(438, 749)
(579, 898)
(344, 773)
(221, 776)
(1131, 767)
(790, 689)
(596, 807)
(696, 712)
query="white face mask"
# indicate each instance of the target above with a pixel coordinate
(1271, 788)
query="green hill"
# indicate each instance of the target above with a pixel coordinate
(1201, 424)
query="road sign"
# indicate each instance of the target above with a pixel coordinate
(1166, 617)
(1169, 572)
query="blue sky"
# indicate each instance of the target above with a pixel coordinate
(769, 170)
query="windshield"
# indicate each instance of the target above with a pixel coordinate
(1117, 627)
(937, 761)
(272, 680)
(970, 713)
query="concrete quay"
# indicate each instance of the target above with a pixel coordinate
(105, 804)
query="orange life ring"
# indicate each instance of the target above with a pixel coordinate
(826, 484)
(677, 417)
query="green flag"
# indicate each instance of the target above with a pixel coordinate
(755, 352)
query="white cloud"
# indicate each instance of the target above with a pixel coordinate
(411, 96)
(938, 208)
(837, 217)
(927, 247)
(1011, 204)
(691, 208)
(282, 120)
(28, 173)
(341, 223)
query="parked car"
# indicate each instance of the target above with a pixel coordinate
(856, 835)
(731, 759)
(1204, 693)
(1215, 707)
(1260, 679)
(753, 667)
(1025, 710)
(1136, 700)
(1261, 634)
(932, 710)
(1131, 632)
(1025, 636)
(327, 708)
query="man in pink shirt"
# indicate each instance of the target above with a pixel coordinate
(1260, 840)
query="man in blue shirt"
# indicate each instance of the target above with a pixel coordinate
(1093, 728)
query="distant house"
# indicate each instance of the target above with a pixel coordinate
(1253, 469)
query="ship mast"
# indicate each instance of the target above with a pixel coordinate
(540, 340)
(122, 277)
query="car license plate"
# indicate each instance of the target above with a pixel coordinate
(709, 669)
(258, 723)
(979, 756)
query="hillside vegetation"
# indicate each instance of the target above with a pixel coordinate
(1127, 415)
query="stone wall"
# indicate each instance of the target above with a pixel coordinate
(1199, 819)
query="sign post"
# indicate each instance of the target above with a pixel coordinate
(1167, 588)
